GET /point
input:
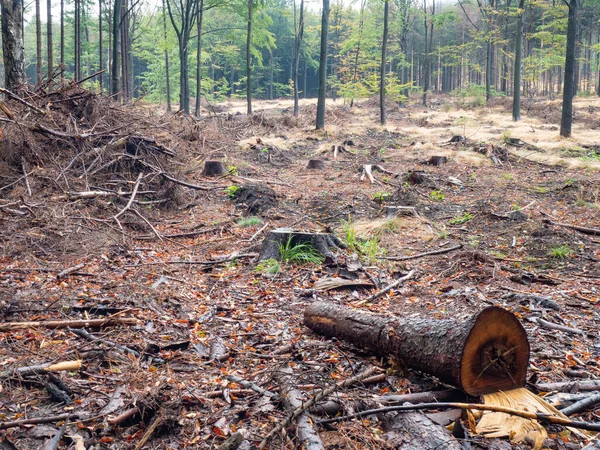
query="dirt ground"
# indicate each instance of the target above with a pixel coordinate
(512, 220)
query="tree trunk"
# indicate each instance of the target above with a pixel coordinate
(100, 46)
(12, 43)
(415, 431)
(516, 107)
(167, 80)
(569, 83)
(426, 56)
(77, 30)
(382, 111)
(249, 59)
(199, 60)
(297, 47)
(38, 42)
(322, 242)
(323, 67)
(184, 87)
(484, 353)
(49, 37)
(116, 43)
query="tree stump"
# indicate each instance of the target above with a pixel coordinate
(214, 168)
(317, 164)
(437, 161)
(322, 242)
(485, 353)
(397, 211)
(458, 140)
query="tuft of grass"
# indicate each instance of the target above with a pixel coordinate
(232, 190)
(505, 135)
(381, 197)
(437, 196)
(300, 253)
(462, 218)
(560, 252)
(249, 221)
(269, 266)
(368, 248)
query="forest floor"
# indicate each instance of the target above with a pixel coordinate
(183, 265)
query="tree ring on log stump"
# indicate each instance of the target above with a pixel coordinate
(496, 353)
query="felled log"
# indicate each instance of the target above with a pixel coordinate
(481, 354)
(322, 242)
(55, 324)
(214, 168)
(292, 399)
(316, 164)
(416, 431)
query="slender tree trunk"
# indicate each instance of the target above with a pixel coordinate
(116, 44)
(62, 39)
(358, 45)
(12, 43)
(184, 90)
(100, 46)
(77, 49)
(167, 80)
(49, 37)
(249, 59)
(305, 81)
(516, 107)
(323, 66)
(426, 56)
(382, 111)
(199, 59)
(271, 73)
(297, 47)
(38, 42)
(569, 83)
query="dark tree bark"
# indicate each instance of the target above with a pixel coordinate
(382, 110)
(516, 107)
(569, 81)
(249, 59)
(484, 353)
(62, 38)
(116, 44)
(415, 431)
(428, 46)
(100, 46)
(214, 168)
(323, 66)
(297, 46)
(12, 43)
(77, 29)
(38, 42)
(167, 80)
(199, 59)
(49, 37)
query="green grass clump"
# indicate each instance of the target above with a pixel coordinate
(560, 252)
(250, 221)
(462, 218)
(269, 266)
(299, 253)
(232, 190)
(437, 196)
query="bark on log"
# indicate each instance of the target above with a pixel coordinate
(214, 168)
(416, 431)
(322, 242)
(316, 164)
(292, 399)
(482, 354)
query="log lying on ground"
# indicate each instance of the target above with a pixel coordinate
(322, 242)
(415, 431)
(482, 354)
(79, 323)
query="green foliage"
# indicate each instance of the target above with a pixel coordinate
(460, 219)
(381, 197)
(560, 252)
(437, 196)
(249, 221)
(232, 191)
(299, 253)
(232, 170)
(269, 266)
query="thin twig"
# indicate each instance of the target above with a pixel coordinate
(421, 255)
(394, 285)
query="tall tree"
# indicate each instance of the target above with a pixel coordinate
(12, 43)
(183, 17)
(199, 59)
(384, 43)
(429, 24)
(249, 58)
(38, 42)
(167, 76)
(516, 107)
(323, 66)
(569, 86)
(100, 46)
(299, 34)
(116, 43)
(77, 29)
(49, 37)
(62, 38)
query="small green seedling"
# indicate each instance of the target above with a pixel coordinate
(437, 196)
(462, 218)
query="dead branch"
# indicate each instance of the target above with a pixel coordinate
(312, 401)
(293, 399)
(248, 385)
(42, 368)
(581, 405)
(584, 230)
(232, 442)
(543, 418)
(156, 421)
(394, 285)
(569, 386)
(554, 326)
(210, 262)
(166, 176)
(55, 324)
(132, 198)
(20, 100)
(52, 444)
(69, 271)
(422, 255)
(37, 420)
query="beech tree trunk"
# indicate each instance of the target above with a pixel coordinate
(323, 67)
(297, 46)
(12, 43)
(485, 353)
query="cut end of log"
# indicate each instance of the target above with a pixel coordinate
(496, 353)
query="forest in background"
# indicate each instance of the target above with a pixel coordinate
(451, 47)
